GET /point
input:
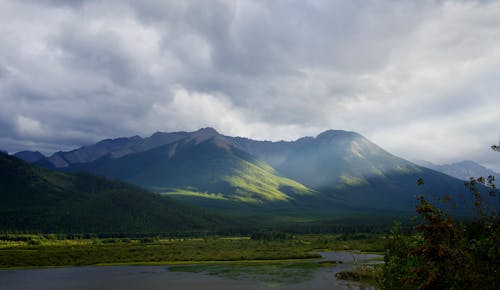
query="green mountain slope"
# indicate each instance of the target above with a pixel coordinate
(204, 167)
(335, 173)
(36, 199)
(355, 171)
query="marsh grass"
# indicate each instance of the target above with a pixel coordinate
(37, 251)
(363, 273)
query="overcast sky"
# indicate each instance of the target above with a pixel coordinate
(419, 78)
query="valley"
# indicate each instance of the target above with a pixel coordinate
(249, 145)
(201, 205)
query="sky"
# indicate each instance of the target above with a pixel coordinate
(419, 78)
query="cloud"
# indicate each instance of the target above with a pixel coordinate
(414, 76)
(29, 127)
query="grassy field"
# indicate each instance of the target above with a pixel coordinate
(22, 251)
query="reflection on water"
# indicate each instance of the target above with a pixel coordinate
(159, 277)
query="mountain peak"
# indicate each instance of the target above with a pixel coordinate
(204, 134)
(207, 131)
(330, 134)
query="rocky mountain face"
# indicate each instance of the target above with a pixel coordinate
(115, 148)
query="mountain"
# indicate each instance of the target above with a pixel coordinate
(337, 172)
(114, 148)
(273, 153)
(463, 170)
(204, 165)
(36, 199)
(349, 167)
(29, 156)
(119, 147)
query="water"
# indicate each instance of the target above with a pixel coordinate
(159, 277)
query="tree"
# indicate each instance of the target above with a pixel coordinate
(444, 252)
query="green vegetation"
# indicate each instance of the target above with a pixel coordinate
(208, 168)
(365, 274)
(105, 222)
(194, 194)
(36, 200)
(252, 182)
(336, 174)
(271, 236)
(444, 252)
(33, 199)
(49, 251)
(445, 249)
(256, 181)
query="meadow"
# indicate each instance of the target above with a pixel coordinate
(27, 251)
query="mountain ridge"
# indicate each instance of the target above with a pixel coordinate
(462, 170)
(327, 173)
(29, 156)
(203, 162)
(35, 199)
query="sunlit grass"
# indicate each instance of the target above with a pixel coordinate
(185, 192)
(253, 184)
(353, 180)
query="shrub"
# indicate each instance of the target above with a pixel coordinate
(267, 235)
(444, 252)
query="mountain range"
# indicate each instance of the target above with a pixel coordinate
(463, 170)
(334, 174)
(200, 179)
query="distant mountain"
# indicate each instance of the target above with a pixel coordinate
(204, 164)
(29, 156)
(36, 199)
(463, 170)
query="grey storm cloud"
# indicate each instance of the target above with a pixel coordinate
(420, 78)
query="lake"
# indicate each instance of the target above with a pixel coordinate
(160, 277)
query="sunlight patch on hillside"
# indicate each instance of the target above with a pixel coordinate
(185, 192)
